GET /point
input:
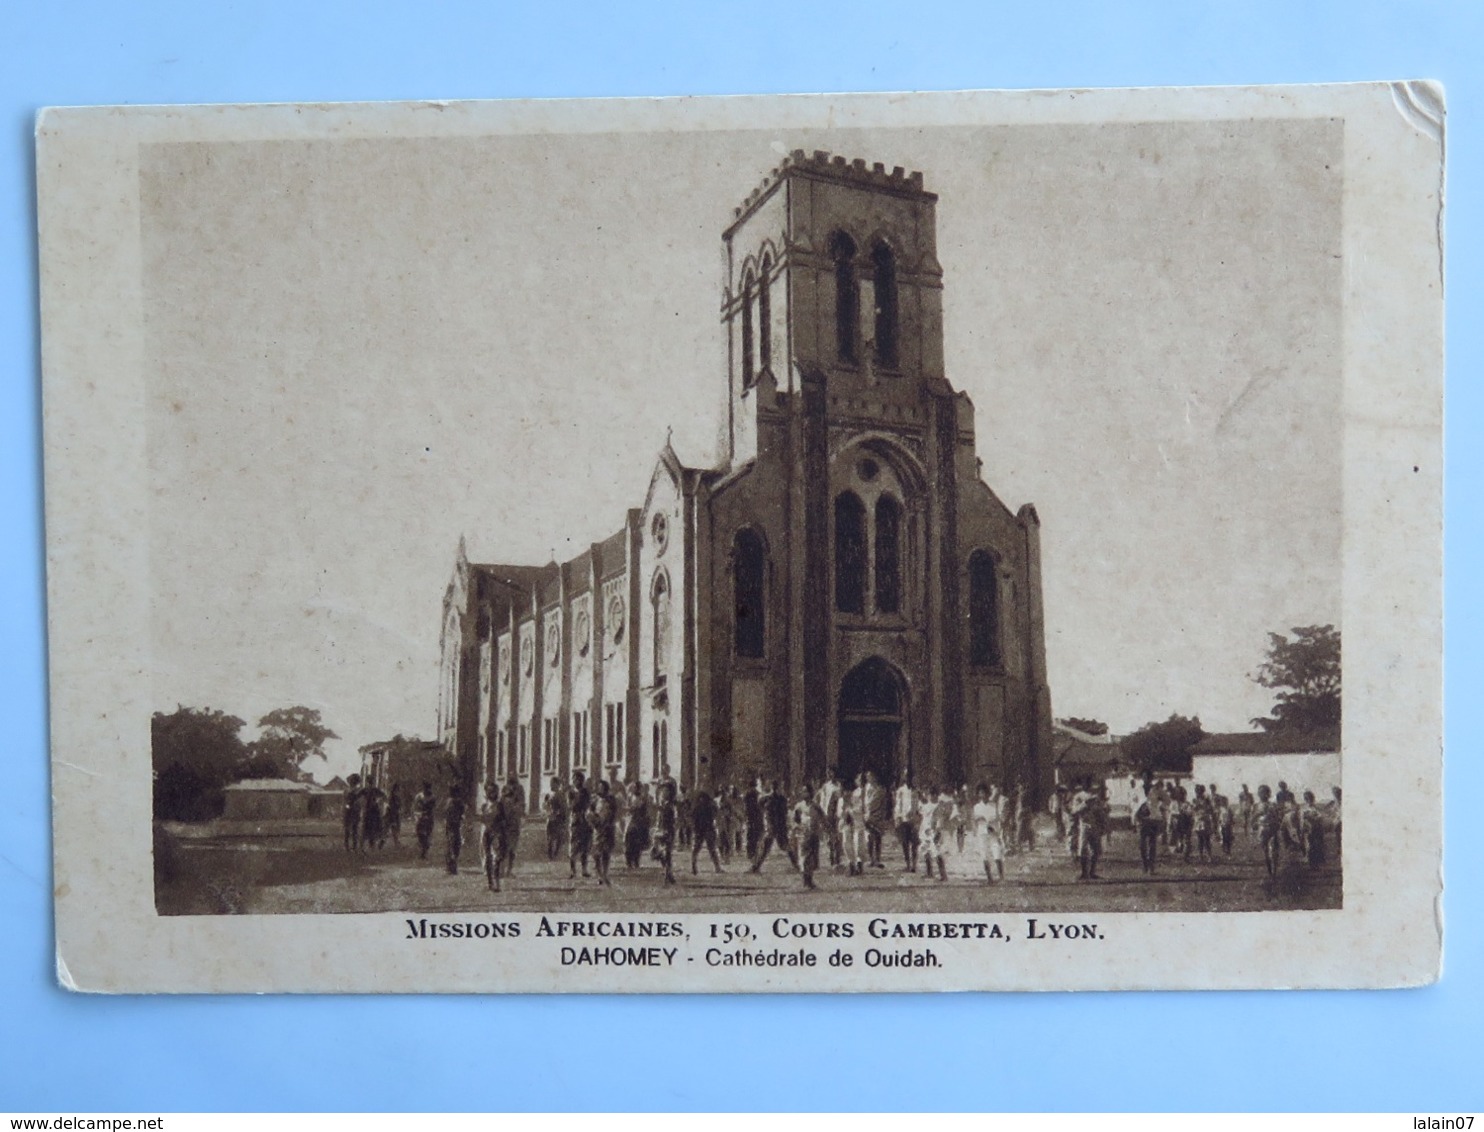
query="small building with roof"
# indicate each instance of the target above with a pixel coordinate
(265, 799)
(1099, 759)
(1305, 760)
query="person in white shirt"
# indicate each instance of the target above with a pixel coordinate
(937, 833)
(991, 845)
(852, 827)
(908, 817)
(829, 803)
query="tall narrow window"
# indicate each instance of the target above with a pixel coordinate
(888, 555)
(850, 553)
(765, 316)
(620, 738)
(749, 569)
(984, 610)
(654, 771)
(748, 374)
(847, 297)
(608, 733)
(661, 626)
(884, 268)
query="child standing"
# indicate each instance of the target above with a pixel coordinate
(908, 817)
(453, 828)
(808, 823)
(493, 841)
(849, 829)
(665, 823)
(987, 835)
(1225, 824)
(1203, 818)
(636, 831)
(423, 807)
(937, 832)
(1267, 818)
(602, 816)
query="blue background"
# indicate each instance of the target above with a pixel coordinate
(1413, 1050)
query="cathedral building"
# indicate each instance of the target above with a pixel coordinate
(843, 590)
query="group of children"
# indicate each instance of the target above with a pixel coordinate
(369, 815)
(1184, 822)
(841, 822)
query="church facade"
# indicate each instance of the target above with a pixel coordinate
(842, 591)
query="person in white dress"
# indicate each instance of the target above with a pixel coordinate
(851, 825)
(988, 842)
(937, 835)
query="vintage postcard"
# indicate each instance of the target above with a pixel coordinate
(849, 543)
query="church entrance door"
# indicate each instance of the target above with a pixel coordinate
(870, 716)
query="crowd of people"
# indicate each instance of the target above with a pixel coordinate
(371, 815)
(1176, 821)
(841, 824)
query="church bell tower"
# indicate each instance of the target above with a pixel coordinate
(831, 266)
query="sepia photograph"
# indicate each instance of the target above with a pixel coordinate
(900, 520)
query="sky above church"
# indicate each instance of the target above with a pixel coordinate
(362, 350)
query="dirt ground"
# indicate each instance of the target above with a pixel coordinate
(209, 871)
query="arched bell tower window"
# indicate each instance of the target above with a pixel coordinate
(847, 296)
(749, 571)
(748, 373)
(884, 268)
(888, 555)
(765, 315)
(984, 611)
(850, 553)
(661, 626)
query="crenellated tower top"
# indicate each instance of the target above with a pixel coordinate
(832, 268)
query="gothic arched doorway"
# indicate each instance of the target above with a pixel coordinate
(871, 713)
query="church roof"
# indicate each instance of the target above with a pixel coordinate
(521, 577)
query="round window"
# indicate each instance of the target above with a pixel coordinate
(659, 527)
(616, 618)
(527, 655)
(582, 631)
(868, 469)
(505, 665)
(553, 644)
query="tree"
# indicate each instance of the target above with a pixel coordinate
(1164, 747)
(289, 737)
(194, 752)
(1305, 671)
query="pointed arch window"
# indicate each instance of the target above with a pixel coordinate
(847, 296)
(884, 270)
(748, 373)
(984, 611)
(765, 315)
(850, 553)
(888, 555)
(749, 572)
(661, 626)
